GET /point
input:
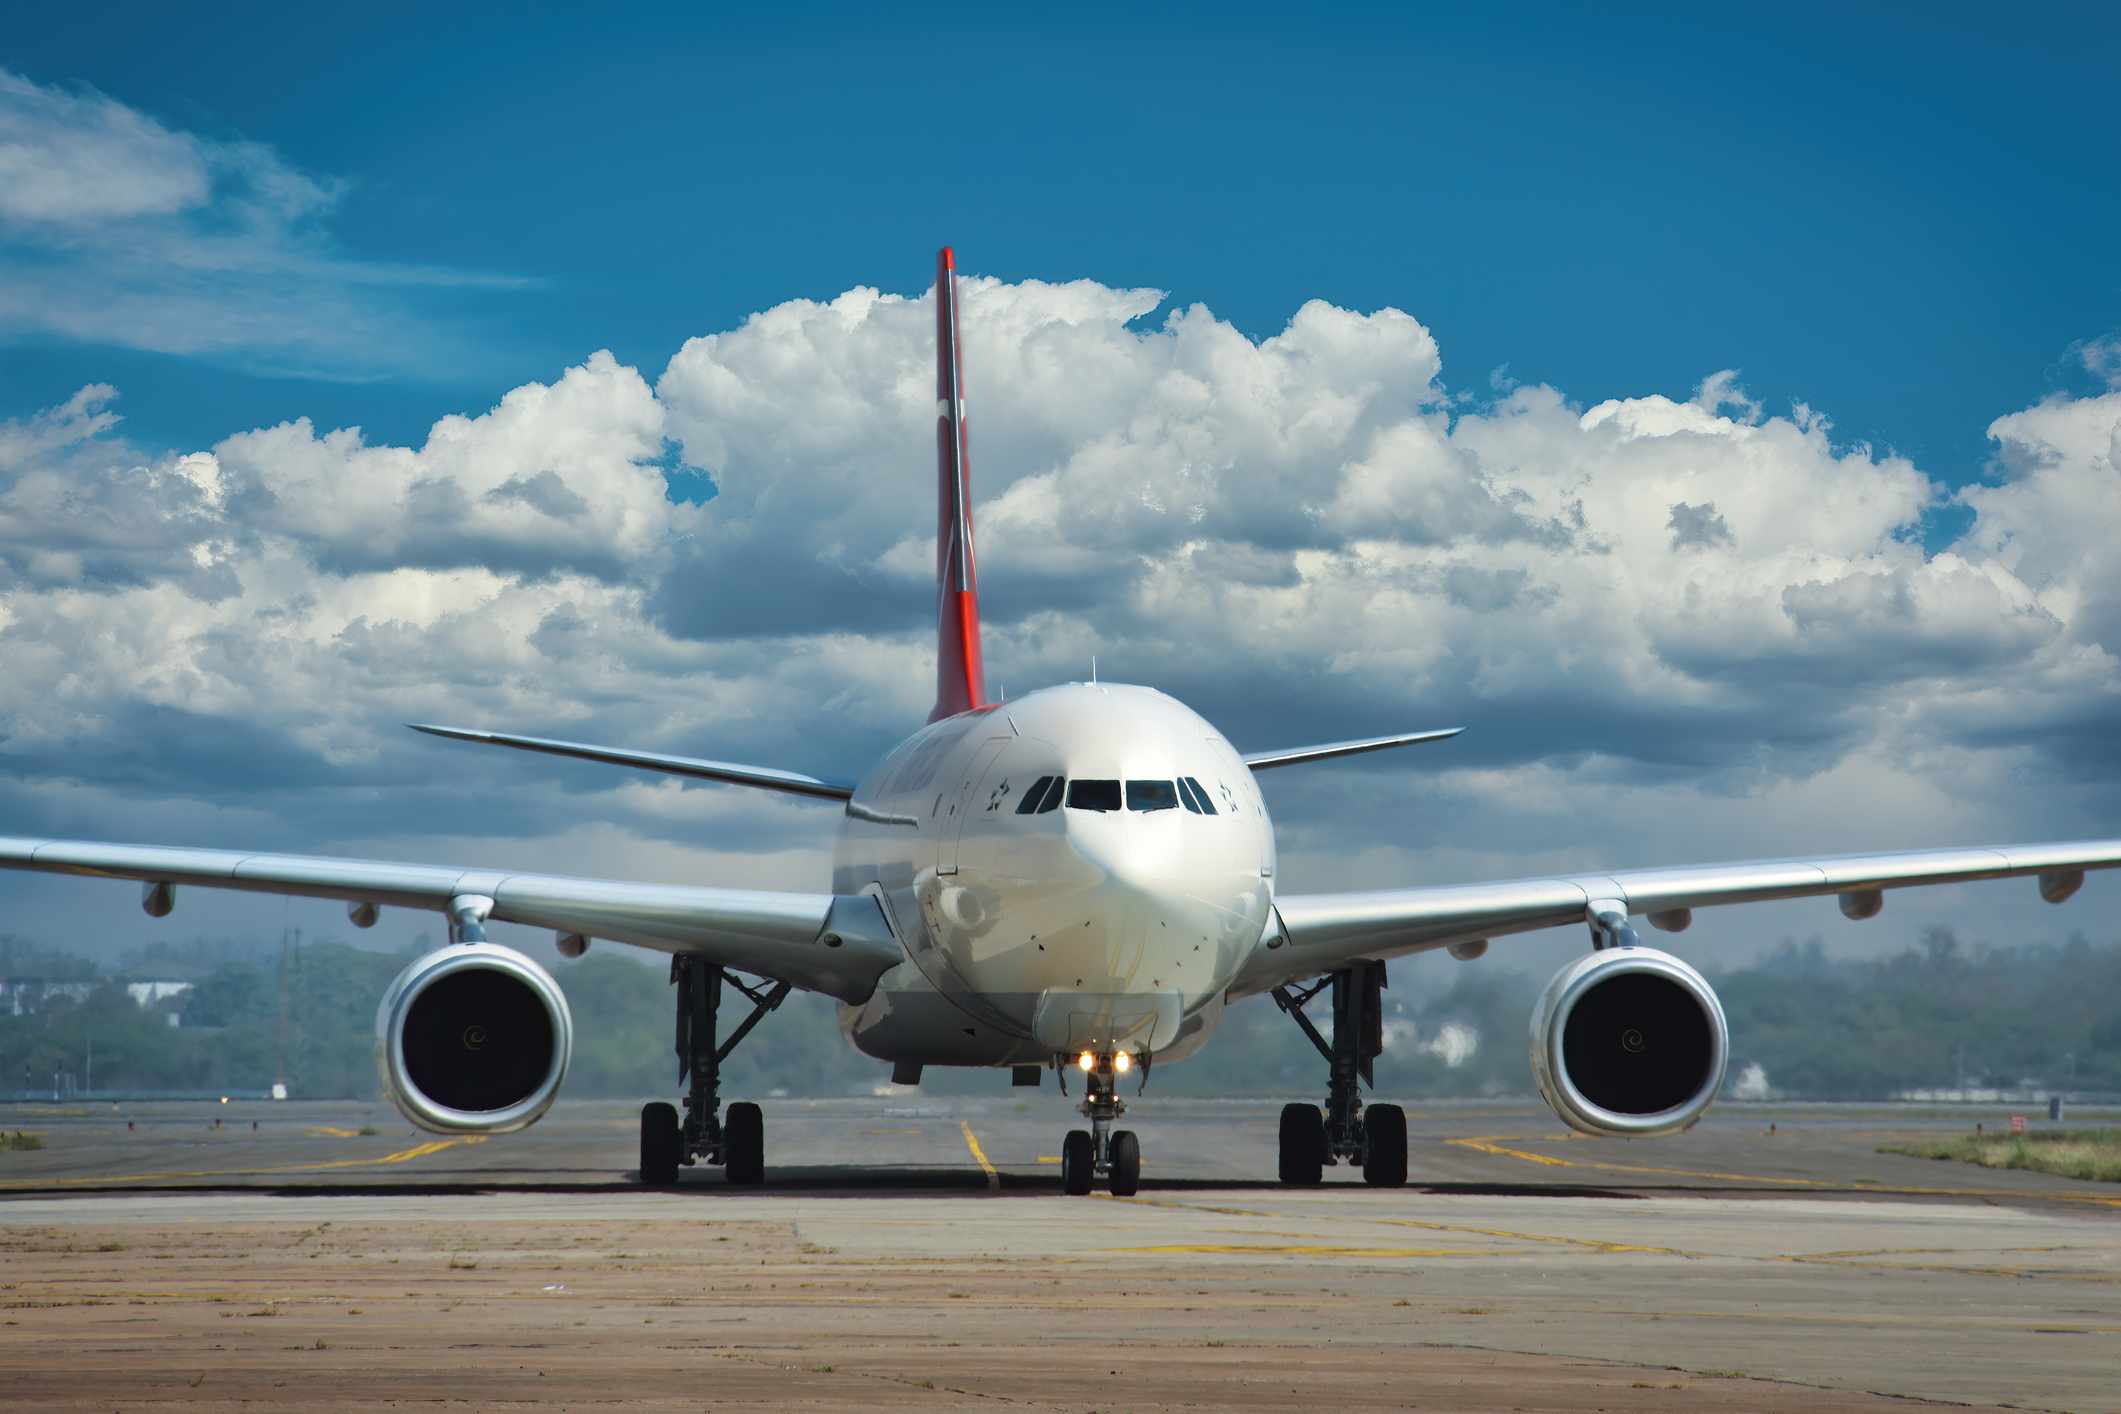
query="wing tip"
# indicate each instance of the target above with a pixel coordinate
(453, 733)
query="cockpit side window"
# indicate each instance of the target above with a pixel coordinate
(1034, 795)
(1197, 799)
(1093, 795)
(1053, 796)
(1151, 795)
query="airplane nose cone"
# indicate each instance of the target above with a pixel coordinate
(1163, 910)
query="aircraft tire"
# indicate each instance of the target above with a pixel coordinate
(744, 1144)
(1078, 1163)
(1303, 1145)
(1126, 1163)
(659, 1144)
(1384, 1162)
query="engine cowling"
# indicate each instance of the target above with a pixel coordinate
(473, 1038)
(1629, 1041)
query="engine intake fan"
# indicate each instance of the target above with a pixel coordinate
(473, 1038)
(1629, 1041)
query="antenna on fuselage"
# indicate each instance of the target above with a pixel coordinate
(1093, 670)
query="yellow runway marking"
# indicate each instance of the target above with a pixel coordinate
(333, 1131)
(417, 1151)
(994, 1180)
(1494, 1145)
(1049, 1158)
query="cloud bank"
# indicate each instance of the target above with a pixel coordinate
(1680, 628)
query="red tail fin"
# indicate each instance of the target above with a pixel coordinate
(960, 676)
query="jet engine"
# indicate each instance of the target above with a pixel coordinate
(473, 1038)
(1629, 1041)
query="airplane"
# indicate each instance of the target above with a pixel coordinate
(1080, 879)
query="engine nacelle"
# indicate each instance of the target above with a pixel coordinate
(1629, 1041)
(473, 1038)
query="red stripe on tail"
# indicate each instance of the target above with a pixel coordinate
(960, 675)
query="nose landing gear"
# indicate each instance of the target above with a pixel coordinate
(1374, 1136)
(1101, 1151)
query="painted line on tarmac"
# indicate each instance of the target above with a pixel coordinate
(417, 1151)
(994, 1180)
(1497, 1145)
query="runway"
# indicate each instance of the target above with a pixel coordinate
(916, 1251)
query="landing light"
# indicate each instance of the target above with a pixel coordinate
(1086, 1062)
(1122, 1062)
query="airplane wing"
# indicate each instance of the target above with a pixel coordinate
(727, 772)
(836, 944)
(1325, 751)
(1317, 933)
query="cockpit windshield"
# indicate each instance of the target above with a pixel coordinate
(1044, 795)
(1151, 795)
(1093, 795)
(1145, 796)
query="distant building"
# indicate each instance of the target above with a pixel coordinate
(23, 996)
(146, 994)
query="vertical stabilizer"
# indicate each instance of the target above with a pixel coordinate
(960, 676)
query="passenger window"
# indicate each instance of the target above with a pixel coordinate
(1053, 796)
(1207, 806)
(1151, 795)
(1032, 796)
(1093, 795)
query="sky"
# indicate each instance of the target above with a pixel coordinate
(1716, 413)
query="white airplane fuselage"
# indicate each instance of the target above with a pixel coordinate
(1037, 922)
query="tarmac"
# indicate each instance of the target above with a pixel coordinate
(916, 1251)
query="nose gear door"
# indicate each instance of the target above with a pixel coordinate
(974, 797)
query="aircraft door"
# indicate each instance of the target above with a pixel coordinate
(969, 803)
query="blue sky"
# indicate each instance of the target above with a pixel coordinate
(1904, 216)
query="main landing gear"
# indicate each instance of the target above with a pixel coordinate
(1101, 1151)
(737, 1140)
(1374, 1136)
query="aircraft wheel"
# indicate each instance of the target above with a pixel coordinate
(744, 1144)
(1078, 1162)
(1126, 1163)
(1303, 1144)
(1384, 1163)
(659, 1143)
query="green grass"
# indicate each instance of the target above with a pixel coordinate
(2093, 1154)
(19, 1141)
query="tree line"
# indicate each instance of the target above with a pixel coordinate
(1938, 1014)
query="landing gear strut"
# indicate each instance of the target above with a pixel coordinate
(1373, 1136)
(736, 1141)
(1100, 1150)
